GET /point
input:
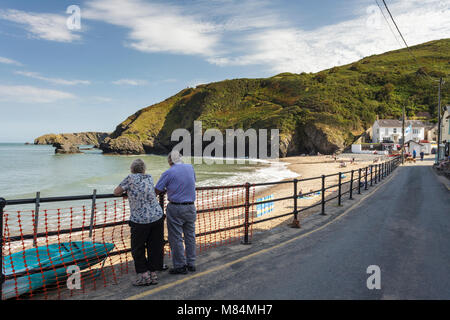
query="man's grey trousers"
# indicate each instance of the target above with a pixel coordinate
(181, 220)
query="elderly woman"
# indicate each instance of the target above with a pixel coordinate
(146, 222)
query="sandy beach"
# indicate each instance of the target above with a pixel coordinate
(308, 167)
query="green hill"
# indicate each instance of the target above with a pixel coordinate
(324, 111)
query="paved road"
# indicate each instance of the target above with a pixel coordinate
(404, 228)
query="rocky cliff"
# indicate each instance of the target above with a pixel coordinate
(316, 112)
(82, 138)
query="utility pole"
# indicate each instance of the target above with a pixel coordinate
(439, 123)
(403, 136)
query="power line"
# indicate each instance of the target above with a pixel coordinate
(441, 81)
(395, 24)
(404, 41)
(387, 22)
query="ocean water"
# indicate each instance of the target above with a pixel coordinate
(26, 169)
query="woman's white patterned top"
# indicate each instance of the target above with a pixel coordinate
(144, 205)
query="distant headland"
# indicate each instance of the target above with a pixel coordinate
(81, 138)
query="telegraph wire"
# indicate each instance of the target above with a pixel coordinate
(404, 41)
(387, 22)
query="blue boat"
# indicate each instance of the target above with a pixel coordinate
(45, 265)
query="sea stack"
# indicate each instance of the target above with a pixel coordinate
(66, 148)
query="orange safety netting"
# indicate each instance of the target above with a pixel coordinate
(39, 247)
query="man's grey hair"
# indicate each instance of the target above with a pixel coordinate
(175, 156)
(138, 166)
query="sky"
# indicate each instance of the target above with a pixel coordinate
(74, 66)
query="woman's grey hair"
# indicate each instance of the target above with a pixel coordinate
(137, 166)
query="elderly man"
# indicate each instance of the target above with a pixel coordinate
(179, 182)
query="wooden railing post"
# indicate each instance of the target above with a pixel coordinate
(91, 226)
(371, 175)
(323, 196)
(36, 218)
(340, 189)
(365, 179)
(359, 181)
(351, 185)
(247, 214)
(295, 223)
(376, 174)
(2, 276)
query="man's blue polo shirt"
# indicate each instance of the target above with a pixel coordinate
(179, 181)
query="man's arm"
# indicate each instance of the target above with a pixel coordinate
(162, 184)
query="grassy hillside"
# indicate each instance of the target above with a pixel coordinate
(323, 111)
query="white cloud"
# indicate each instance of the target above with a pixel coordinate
(249, 32)
(255, 32)
(130, 82)
(155, 27)
(295, 50)
(195, 28)
(46, 26)
(9, 61)
(59, 81)
(29, 94)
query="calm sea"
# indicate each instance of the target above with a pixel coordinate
(26, 169)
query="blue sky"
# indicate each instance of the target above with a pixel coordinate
(131, 54)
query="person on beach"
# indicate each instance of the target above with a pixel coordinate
(146, 223)
(179, 182)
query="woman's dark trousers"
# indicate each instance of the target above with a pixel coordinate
(147, 239)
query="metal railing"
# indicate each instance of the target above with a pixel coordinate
(365, 177)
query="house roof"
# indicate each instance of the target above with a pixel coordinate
(409, 141)
(393, 123)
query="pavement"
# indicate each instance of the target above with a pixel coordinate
(402, 226)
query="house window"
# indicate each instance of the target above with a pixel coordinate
(386, 131)
(415, 131)
(395, 130)
(378, 130)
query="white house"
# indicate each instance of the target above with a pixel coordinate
(391, 130)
